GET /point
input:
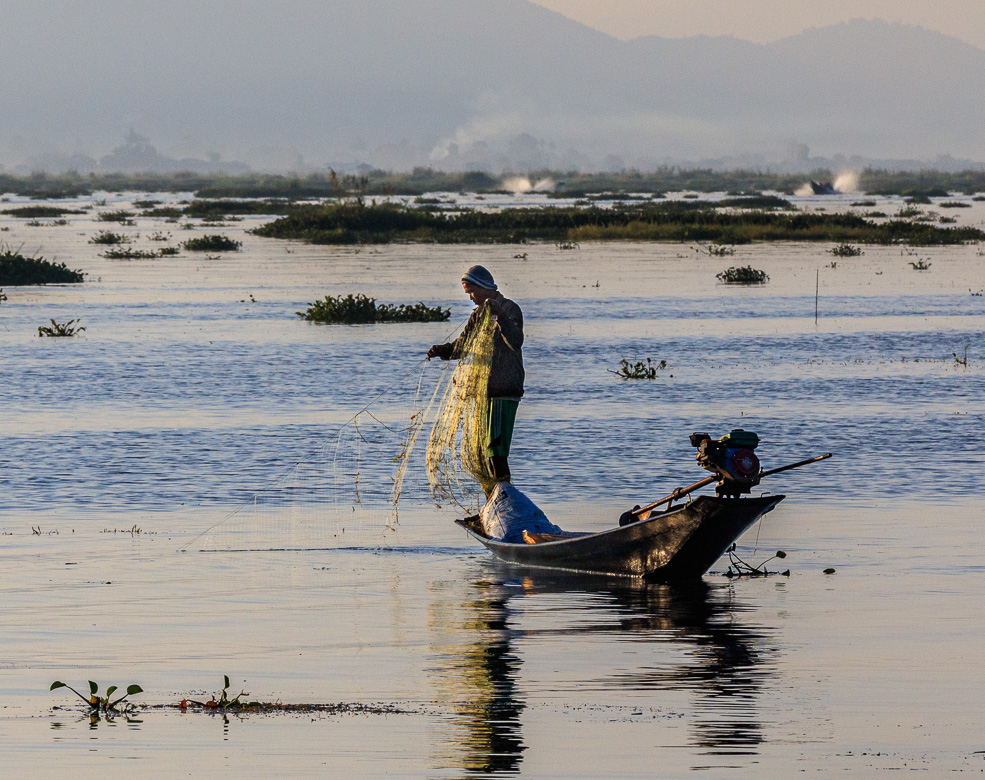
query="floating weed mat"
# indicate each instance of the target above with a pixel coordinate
(351, 490)
(222, 703)
(278, 707)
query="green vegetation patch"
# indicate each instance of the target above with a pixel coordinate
(110, 704)
(743, 275)
(847, 250)
(122, 216)
(223, 702)
(639, 369)
(360, 310)
(924, 194)
(219, 209)
(717, 250)
(109, 238)
(16, 270)
(101, 703)
(41, 212)
(129, 253)
(212, 243)
(60, 330)
(765, 202)
(355, 222)
(162, 212)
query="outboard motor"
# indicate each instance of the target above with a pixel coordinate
(732, 458)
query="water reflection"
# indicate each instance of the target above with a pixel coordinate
(724, 660)
(480, 677)
(701, 644)
(96, 719)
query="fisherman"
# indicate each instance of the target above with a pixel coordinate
(506, 371)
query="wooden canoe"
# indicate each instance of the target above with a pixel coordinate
(677, 545)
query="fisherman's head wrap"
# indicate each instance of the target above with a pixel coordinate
(481, 277)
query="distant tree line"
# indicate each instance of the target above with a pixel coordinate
(422, 180)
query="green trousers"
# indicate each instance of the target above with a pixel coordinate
(502, 416)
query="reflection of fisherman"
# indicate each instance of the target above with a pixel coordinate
(479, 680)
(506, 371)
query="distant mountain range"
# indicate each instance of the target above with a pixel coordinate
(467, 83)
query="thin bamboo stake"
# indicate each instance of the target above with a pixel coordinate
(817, 290)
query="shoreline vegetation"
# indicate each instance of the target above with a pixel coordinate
(355, 222)
(568, 184)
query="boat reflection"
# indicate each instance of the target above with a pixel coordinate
(704, 647)
(724, 662)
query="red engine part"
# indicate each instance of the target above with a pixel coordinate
(743, 464)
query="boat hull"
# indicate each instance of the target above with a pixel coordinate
(677, 545)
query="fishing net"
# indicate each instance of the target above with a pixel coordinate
(458, 436)
(368, 475)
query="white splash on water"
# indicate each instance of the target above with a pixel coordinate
(521, 184)
(847, 181)
(517, 184)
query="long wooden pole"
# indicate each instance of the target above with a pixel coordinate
(644, 512)
(796, 465)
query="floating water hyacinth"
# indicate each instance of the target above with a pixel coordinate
(639, 369)
(362, 310)
(102, 703)
(743, 275)
(18, 270)
(212, 243)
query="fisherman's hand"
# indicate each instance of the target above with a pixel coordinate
(493, 305)
(433, 352)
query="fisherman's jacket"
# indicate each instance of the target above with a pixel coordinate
(506, 372)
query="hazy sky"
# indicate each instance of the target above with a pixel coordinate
(767, 20)
(490, 83)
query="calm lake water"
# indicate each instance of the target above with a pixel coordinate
(195, 387)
